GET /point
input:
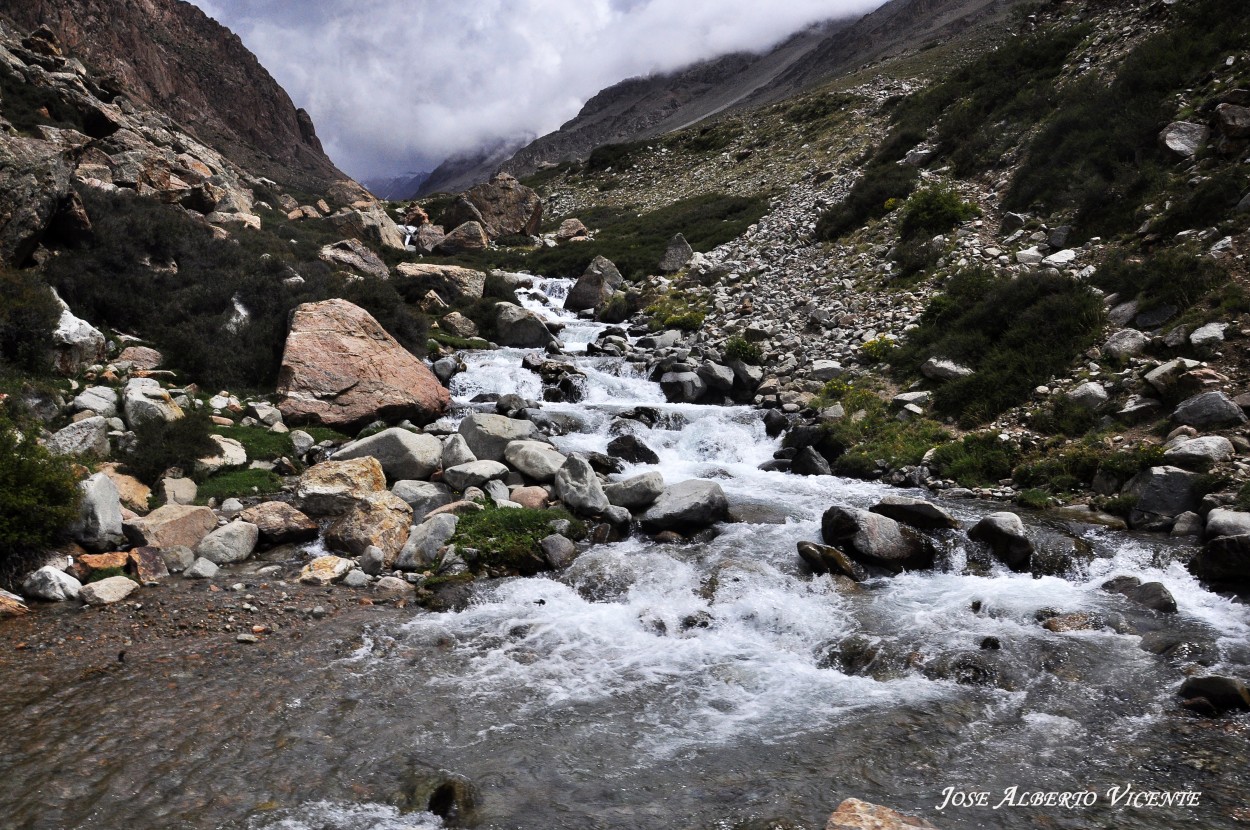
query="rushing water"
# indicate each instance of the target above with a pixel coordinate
(699, 685)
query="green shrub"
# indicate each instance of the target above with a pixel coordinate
(1175, 277)
(738, 348)
(1014, 334)
(1033, 499)
(933, 210)
(710, 139)
(815, 108)
(1121, 505)
(1208, 204)
(867, 200)
(916, 256)
(39, 494)
(101, 574)
(879, 349)
(675, 311)
(614, 156)
(508, 539)
(1072, 468)
(977, 460)
(1062, 416)
(160, 445)
(28, 315)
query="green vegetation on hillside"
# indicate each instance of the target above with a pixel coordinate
(39, 495)
(1014, 334)
(154, 271)
(28, 315)
(1099, 156)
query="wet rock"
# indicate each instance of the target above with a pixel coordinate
(425, 541)
(228, 544)
(876, 540)
(99, 522)
(379, 520)
(488, 436)
(1163, 493)
(808, 462)
(11, 605)
(1078, 621)
(682, 387)
(1208, 410)
(519, 327)
(279, 523)
(1223, 694)
(828, 559)
(1004, 534)
(333, 487)
(558, 550)
(340, 368)
(474, 474)
(403, 455)
(325, 570)
(687, 506)
(170, 525)
(636, 493)
(51, 584)
(392, 588)
(853, 814)
(967, 668)
(1153, 595)
(595, 286)
(630, 448)
(108, 591)
(1224, 560)
(915, 512)
(577, 485)
(534, 459)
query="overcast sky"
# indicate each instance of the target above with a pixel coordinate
(397, 85)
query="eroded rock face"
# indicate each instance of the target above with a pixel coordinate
(877, 540)
(35, 177)
(340, 368)
(520, 327)
(595, 286)
(334, 487)
(451, 282)
(353, 255)
(171, 525)
(280, 523)
(378, 520)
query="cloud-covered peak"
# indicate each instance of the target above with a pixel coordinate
(394, 85)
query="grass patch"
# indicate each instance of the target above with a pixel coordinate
(738, 348)
(508, 538)
(675, 311)
(996, 327)
(260, 443)
(451, 341)
(160, 445)
(870, 434)
(238, 484)
(1062, 416)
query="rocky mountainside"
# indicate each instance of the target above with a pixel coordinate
(643, 108)
(177, 60)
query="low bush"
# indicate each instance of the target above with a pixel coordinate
(1014, 334)
(738, 348)
(28, 315)
(1175, 277)
(879, 349)
(159, 445)
(614, 156)
(1062, 416)
(867, 200)
(39, 497)
(933, 210)
(1072, 468)
(675, 311)
(976, 460)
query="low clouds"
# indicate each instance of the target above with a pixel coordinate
(394, 86)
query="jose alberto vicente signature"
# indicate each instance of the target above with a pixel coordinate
(1120, 796)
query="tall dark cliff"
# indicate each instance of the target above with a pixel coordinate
(184, 63)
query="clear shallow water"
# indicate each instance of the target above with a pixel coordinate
(666, 686)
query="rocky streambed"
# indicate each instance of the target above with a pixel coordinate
(827, 639)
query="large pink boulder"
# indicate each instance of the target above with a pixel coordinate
(341, 369)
